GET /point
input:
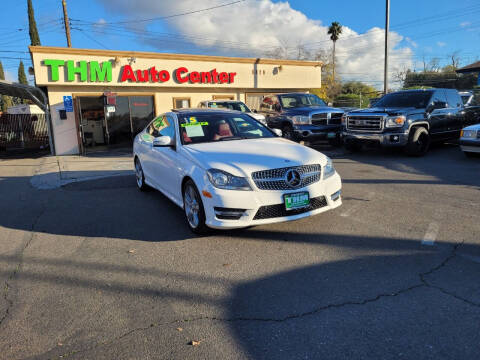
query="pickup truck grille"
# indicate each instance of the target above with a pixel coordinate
(326, 118)
(365, 123)
(274, 179)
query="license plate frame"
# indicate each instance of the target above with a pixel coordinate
(298, 200)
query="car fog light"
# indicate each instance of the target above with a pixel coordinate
(228, 213)
(336, 196)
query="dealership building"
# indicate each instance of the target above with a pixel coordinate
(100, 98)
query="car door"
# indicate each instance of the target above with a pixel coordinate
(163, 160)
(438, 115)
(455, 113)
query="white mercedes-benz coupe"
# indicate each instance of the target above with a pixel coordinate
(226, 170)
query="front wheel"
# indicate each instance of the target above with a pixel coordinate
(418, 142)
(139, 176)
(193, 208)
(287, 132)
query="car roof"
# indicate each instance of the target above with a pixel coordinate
(232, 101)
(188, 111)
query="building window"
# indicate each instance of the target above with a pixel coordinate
(223, 97)
(181, 103)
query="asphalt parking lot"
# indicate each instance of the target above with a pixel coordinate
(98, 270)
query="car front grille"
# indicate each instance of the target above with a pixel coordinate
(274, 179)
(365, 123)
(278, 210)
(320, 119)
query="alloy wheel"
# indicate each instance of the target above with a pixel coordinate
(192, 207)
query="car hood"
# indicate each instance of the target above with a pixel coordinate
(473, 127)
(389, 111)
(242, 157)
(307, 110)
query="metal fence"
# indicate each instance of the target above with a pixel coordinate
(23, 131)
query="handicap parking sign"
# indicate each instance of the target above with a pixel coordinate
(68, 103)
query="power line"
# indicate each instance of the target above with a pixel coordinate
(175, 15)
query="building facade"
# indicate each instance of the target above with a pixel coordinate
(101, 98)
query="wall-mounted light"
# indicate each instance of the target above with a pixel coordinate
(132, 60)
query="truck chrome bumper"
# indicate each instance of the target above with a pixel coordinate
(383, 139)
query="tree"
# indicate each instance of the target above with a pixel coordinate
(5, 101)
(22, 78)
(334, 31)
(32, 26)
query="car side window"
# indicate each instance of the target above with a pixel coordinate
(161, 126)
(453, 99)
(438, 100)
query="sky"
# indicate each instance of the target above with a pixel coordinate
(421, 30)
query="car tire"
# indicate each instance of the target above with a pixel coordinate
(353, 146)
(287, 132)
(140, 176)
(193, 209)
(418, 142)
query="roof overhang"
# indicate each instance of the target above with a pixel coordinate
(25, 92)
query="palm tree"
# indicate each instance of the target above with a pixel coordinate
(334, 31)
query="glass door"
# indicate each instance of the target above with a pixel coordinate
(93, 127)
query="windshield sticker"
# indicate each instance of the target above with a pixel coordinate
(158, 122)
(147, 137)
(203, 123)
(195, 130)
(213, 105)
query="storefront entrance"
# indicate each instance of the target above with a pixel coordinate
(105, 126)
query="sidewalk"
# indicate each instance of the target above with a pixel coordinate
(67, 169)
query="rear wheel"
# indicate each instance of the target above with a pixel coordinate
(418, 142)
(193, 208)
(139, 176)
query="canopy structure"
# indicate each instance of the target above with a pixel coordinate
(475, 67)
(30, 93)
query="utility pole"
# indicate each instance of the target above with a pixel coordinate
(67, 23)
(387, 26)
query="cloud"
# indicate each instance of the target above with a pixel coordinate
(411, 42)
(465, 24)
(256, 28)
(441, 43)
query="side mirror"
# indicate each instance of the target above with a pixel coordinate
(277, 107)
(330, 104)
(163, 141)
(255, 111)
(278, 132)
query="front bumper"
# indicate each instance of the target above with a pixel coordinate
(314, 132)
(382, 139)
(470, 145)
(253, 201)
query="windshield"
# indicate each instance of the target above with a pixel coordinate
(416, 99)
(202, 127)
(300, 100)
(239, 106)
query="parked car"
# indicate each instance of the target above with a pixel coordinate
(227, 170)
(232, 105)
(472, 107)
(410, 119)
(302, 116)
(470, 140)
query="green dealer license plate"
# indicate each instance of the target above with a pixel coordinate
(296, 200)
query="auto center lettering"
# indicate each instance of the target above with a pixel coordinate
(94, 71)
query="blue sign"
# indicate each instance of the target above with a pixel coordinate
(68, 103)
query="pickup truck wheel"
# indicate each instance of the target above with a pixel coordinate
(418, 142)
(353, 146)
(287, 132)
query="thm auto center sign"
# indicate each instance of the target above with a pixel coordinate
(95, 71)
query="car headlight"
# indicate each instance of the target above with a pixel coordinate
(395, 121)
(224, 180)
(301, 120)
(328, 170)
(469, 134)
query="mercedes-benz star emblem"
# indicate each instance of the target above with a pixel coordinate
(293, 178)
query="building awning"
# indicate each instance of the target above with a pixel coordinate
(25, 92)
(475, 67)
